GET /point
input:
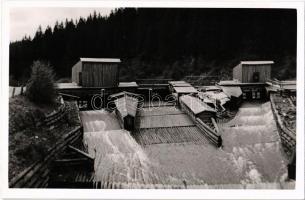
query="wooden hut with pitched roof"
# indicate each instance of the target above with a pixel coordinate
(126, 109)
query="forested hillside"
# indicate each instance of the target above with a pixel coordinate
(165, 43)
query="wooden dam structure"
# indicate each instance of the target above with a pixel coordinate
(192, 118)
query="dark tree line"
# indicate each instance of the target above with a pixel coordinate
(165, 42)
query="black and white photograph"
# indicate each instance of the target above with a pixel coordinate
(153, 97)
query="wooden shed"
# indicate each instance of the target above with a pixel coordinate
(203, 115)
(126, 110)
(195, 108)
(253, 71)
(96, 72)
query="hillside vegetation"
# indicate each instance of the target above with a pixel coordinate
(165, 42)
(29, 137)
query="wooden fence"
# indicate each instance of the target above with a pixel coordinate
(55, 116)
(37, 175)
(15, 91)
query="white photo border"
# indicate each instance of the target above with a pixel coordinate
(297, 193)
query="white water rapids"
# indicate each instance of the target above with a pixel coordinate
(251, 155)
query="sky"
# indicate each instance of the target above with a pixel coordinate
(26, 20)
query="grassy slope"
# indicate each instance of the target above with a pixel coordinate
(27, 142)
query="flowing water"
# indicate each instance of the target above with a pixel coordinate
(250, 158)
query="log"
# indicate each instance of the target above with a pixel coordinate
(80, 152)
(215, 125)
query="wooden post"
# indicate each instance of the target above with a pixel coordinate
(103, 103)
(292, 167)
(13, 92)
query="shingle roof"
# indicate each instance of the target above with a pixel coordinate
(256, 62)
(106, 60)
(195, 104)
(127, 105)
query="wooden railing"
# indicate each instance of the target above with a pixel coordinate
(37, 175)
(55, 116)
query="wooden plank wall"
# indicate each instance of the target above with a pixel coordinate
(75, 72)
(206, 116)
(212, 135)
(186, 109)
(244, 73)
(248, 70)
(100, 74)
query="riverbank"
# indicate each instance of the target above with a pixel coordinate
(29, 138)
